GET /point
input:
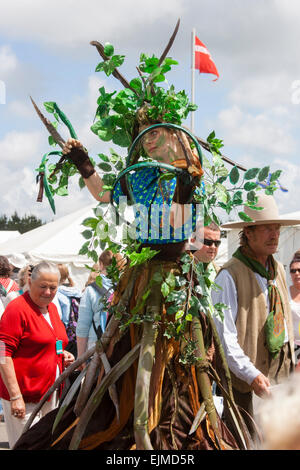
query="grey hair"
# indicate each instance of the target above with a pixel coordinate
(45, 267)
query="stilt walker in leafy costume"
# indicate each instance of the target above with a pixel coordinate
(148, 384)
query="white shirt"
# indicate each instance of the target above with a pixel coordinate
(295, 308)
(238, 362)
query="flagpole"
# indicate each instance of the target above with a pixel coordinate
(193, 78)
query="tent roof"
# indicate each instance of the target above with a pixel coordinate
(8, 235)
(57, 241)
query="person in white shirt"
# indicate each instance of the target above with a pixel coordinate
(256, 331)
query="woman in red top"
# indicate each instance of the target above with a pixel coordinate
(32, 342)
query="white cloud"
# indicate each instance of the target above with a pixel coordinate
(20, 109)
(69, 23)
(8, 61)
(20, 147)
(263, 91)
(256, 131)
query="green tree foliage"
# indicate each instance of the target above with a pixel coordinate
(22, 224)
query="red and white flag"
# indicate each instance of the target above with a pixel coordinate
(203, 59)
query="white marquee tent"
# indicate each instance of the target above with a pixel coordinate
(58, 241)
(8, 235)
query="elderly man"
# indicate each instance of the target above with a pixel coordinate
(257, 331)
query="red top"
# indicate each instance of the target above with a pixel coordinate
(31, 342)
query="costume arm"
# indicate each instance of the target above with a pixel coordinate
(73, 149)
(238, 362)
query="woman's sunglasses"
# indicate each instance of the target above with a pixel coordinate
(293, 271)
(208, 242)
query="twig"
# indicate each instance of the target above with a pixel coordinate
(170, 43)
(115, 73)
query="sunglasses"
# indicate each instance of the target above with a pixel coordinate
(293, 271)
(208, 242)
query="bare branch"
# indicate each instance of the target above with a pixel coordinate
(51, 129)
(206, 146)
(170, 43)
(115, 73)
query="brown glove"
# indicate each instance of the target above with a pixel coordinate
(81, 160)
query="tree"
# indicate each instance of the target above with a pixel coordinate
(22, 224)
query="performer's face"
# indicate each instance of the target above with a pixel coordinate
(161, 144)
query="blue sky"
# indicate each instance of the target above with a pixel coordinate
(45, 52)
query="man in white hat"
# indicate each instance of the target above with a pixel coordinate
(257, 330)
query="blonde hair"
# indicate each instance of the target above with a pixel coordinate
(93, 274)
(64, 274)
(107, 257)
(22, 274)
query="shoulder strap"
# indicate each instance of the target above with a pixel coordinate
(101, 290)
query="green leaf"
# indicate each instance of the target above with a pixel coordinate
(275, 175)
(94, 255)
(121, 138)
(105, 134)
(103, 157)
(90, 222)
(170, 280)
(245, 217)
(251, 174)
(234, 175)
(50, 106)
(167, 176)
(99, 281)
(104, 166)
(51, 141)
(87, 234)
(221, 193)
(62, 191)
(250, 185)
(84, 249)
(108, 49)
(137, 85)
(165, 289)
(237, 198)
(251, 196)
(179, 314)
(264, 173)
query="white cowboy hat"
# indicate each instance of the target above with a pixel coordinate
(268, 215)
(17, 260)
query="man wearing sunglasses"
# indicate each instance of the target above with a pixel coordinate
(256, 331)
(209, 250)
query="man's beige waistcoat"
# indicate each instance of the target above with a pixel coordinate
(252, 314)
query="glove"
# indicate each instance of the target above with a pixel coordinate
(82, 161)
